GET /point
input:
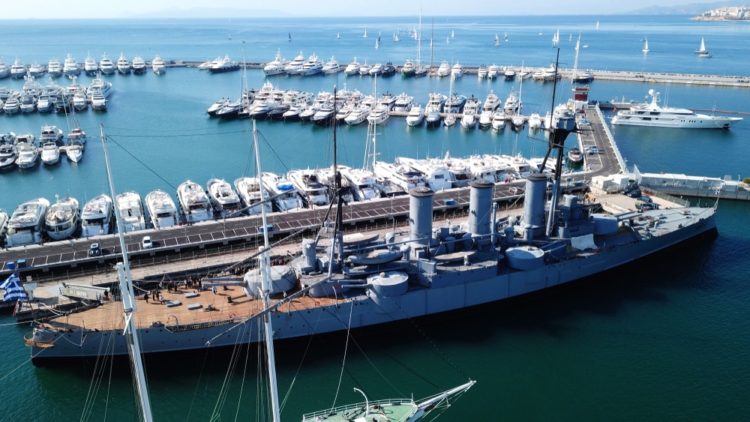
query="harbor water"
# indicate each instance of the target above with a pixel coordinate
(665, 338)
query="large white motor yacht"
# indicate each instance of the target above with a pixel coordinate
(123, 65)
(139, 65)
(131, 211)
(249, 189)
(106, 66)
(50, 153)
(225, 200)
(471, 113)
(415, 116)
(352, 68)
(362, 183)
(313, 191)
(70, 66)
(275, 66)
(194, 202)
(652, 114)
(90, 66)
(25, 225)
(28, 155)
(161, 209)
(158, 65)
(402, 175)
(96, 217)
(62, 218)
(379, 115)
(436, 174)
(54, 68)
(283, 193)
(294, 67)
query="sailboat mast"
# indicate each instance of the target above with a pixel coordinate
(337, 184)
(265, 272)
(375, 127)
(128, 300)
(575, 62)
(419, 41)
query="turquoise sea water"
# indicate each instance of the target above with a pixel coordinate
(664, 339)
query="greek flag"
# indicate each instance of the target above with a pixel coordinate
(13, 289)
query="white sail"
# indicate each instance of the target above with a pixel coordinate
(645, 46)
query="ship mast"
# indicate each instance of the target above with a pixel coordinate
(560, 130)
(128, 300)
(337, 187)
(265, 272)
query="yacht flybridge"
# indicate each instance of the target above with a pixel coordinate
(652, 114)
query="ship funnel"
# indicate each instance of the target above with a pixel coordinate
(480, 208)
(533, 206)
(420, 216)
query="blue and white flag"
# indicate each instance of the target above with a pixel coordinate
(13, 289)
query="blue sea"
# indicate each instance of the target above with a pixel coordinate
(663, 339)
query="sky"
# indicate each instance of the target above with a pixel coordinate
(89, 9)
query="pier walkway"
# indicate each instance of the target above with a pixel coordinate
(741, 81)
(70, 257)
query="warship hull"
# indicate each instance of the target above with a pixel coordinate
(486, 279)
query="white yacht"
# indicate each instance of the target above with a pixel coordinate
(161, 209)
(275, 66)
(98, 100)
(312, 189)
(358, 115)
(283, 193)
(491, 104)
(100, 84)
(50, 153)
(123, 65)
(512, 104)
(158, 65)
(62, 218)
(80, 101)
(54, 68)
(362, 183)
(702, 51)
(12, 105)
(379, 115)
(36, 70)
(471, 112)
(535, 121)
(4, 69)
(415, 116)
(96, 217)
(294, 67)
(498, 119)
(457, 70)
(194, 202)
(28, 155)
(74, 151)
(482, 72)
(139, 65)
(8, 156)
(654, 115)
(70, 66)
(249, 189)
(402, 175)
(434, 172)
(493, 71)
(312, 66)
(509, 74)
(444, 69)
(408, 69)
(17, 69)
(331, 67)
(25, 226)
(90, 66)
(352, 68)
(364, 69)
(131, 211)
(106, 66)
(224, 199)
(403, 103)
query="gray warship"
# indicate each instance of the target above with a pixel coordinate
(363, 280)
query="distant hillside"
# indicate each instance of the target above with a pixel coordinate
(685, 9)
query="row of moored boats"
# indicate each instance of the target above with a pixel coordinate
(26, 151)
(354, 107)
(33, 97)
(38, 220)
(70, 67)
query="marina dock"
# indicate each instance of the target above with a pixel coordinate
(739, 81)
(58, 260)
